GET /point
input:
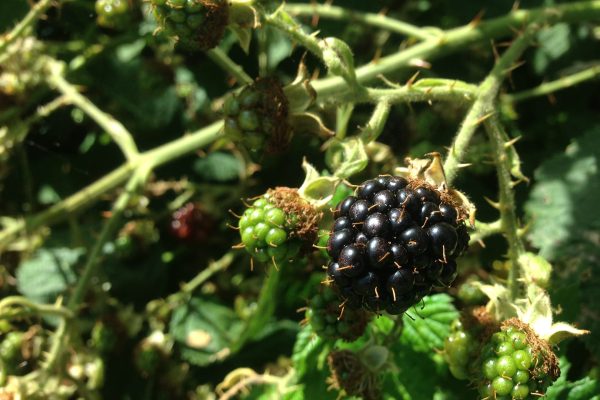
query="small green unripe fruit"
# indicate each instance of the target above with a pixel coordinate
(113, 14)
(257, 117)
(195, 24)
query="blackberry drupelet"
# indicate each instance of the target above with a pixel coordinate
(393, 241)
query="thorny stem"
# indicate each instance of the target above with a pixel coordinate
(483, 107)
(458, 38)
(21, 28)
(114, 128)
(222, 60)
(559, 84)
(376, 20)
(508, 216)
(485, 229)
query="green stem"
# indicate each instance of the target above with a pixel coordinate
(281, 21)
(550, 87)
(31, 308)
(214, 267)
(346, 15)
(89, 270)
(114, 128)
(92, 193)
(484, 230)
(483, 107)
(377, 122)
(459, 38)
(264, 309)
(21, 28)
(508, 216)
(222, 60)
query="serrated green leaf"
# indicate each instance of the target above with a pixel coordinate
(48, 273)
(554, 42)
(218, 323)
(583, 389)
(309, 357)
(218, 167)
(559, 208)
(430, 324)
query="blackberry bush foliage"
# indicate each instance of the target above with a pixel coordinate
(393, 241)
(133, 133)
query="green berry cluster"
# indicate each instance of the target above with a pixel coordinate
(458, 349)
(196, 24)
(257, 117)
(113, 14)
(10, 352)
(331, 321)
(511, 368)
(266, 232)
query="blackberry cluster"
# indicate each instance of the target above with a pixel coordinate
(113, 14)
(512, 367)
(393, 242)
(257, 117)
(275, 227)
(196, 24)
(330, 321)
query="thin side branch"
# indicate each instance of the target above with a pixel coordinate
(343, 14)
(554, 86)
(227, 64)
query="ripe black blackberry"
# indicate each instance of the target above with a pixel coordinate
(393, 241)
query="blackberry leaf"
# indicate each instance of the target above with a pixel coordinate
(430, 325)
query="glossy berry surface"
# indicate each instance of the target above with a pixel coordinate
(328, 321)
(257, 117)
(458, 350)
(509, 367)
(195, 24)
(392, 241)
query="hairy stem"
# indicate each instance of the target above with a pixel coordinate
(485, 229)
(508, 216)
(483, 107)
(350, 16)
(554, 86)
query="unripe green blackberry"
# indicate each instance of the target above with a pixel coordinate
(113, 14)
(277, 225)
(11, 345)
(515, 363)
(458, 349)
(257, 117)
(196, 24)
(331, 320)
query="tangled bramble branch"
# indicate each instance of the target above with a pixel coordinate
(349, 87)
